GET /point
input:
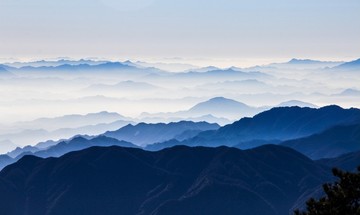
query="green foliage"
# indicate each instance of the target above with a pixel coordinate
(342, 197)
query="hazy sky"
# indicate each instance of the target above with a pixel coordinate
(198, 30)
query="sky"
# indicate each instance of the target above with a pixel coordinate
(206, 32)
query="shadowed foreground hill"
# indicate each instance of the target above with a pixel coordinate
(180, 180)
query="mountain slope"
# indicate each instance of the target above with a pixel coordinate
(143, 134)
(348, 162)
(277, 124)
(74, 144)
(329, 143)
(298, 103)
(352, 65)
(180, 180)
(219, 107)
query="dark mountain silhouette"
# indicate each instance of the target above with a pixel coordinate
(348, 162)
(330, 143)
(143, 134)
(277, 124)
(180, 180)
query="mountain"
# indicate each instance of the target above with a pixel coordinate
(79, 143)
(219, 107)
(352, 65)
(298, 103)
(143, 134)
(222, 106)
(4, 72)
(275, 125)
(31, 137)
(349, 92)
(73, 144)
(18, 150)
(330, 143)
(348, 162)
(181, 180)
(221, 75)
(77, 67)
(163, 117)
(71, 121)
(43, 63)
(6, 145)
(5, 160)
(302, 64)
(109, 69)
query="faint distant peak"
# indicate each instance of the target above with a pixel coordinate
(303, 61)
(298, 103)
(218, 102)
(350, 92)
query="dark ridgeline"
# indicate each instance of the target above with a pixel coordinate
(63, 147)
(330, 143)
(272, 126)
(181, 180)
(348, 162)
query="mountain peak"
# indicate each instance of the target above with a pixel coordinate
(302, 61)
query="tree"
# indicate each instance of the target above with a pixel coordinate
(341, 197)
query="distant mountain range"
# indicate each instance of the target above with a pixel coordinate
(72, 121)
(220, 74)
(299, 64)
(267, 180)
(144, 134)
(72, 68)
(63, 127)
